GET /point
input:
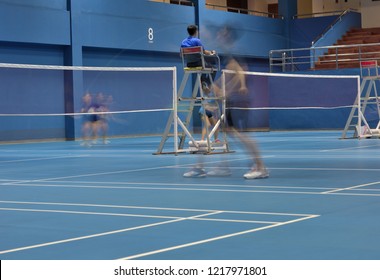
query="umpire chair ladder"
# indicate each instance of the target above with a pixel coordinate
(369, 73)
(178, 125)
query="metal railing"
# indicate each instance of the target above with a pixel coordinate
(224, 8)
(322, 14)
(177, 2)
(182, 2)
(243, 11)
(329, 57)
(338, 19)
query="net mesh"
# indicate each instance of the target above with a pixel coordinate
(289, 101)
(40, 102)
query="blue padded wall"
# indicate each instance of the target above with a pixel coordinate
(117, 33)
(35, 22)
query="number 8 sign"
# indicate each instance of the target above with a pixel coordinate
(150, 34)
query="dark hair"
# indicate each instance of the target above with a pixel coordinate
(192, 29)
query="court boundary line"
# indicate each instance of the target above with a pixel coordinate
(132, 170)
(349, 148)
(135, 215)
(142, 185)
(203, 188)
(39, 159)
(208, 240)
(351, 188)
(173, 220)
(97, 235)
(150, 208)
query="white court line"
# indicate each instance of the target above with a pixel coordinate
(142, 185)
(196, 217)
(132, 215)
(263, 189)
(81, 183)
(131, 170)
(44, 158)
(350, 148)
(354, 194)
(325, 169)
(101, 234)
(100, 173)
(86, 213)
(9, 180)
(351, 188)
(305, 168)
(305, 155)
(173, 188)
(149, 208)
(215, 238)
(14, 182)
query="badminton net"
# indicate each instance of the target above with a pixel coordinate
(291, 101)
(46, 102)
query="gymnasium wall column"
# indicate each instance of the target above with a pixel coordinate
(288, 9)
(73, 79)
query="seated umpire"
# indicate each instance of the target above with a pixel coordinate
(193, 41)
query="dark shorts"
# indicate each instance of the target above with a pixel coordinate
(90, 118)
(237, 118)
(208, 113)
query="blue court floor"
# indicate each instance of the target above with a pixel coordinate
(62, 200)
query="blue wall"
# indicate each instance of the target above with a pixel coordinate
(120, 24)
(112, 33)
(346, 23)
(43, 22)
(305, 30)
(255, 36)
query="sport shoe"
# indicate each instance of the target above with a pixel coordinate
(256, 174)
(86, 144)
(205, 87)
(195, 173)
(219, 172)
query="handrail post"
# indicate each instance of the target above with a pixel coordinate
(332, 25)
(284, 62)
(292, 61)
(271, 61)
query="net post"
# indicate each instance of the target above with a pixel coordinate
(224, 93)
(223, 117)
(359, 107)
(175, 110)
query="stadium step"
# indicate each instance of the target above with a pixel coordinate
(347, 56)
